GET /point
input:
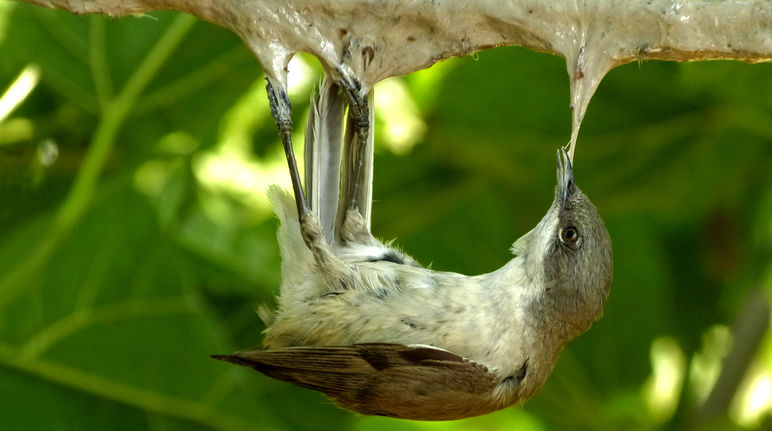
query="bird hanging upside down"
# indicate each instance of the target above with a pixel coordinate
(378, 333)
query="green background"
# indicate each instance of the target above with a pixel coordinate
(126, 262)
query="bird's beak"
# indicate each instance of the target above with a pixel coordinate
(566, 186)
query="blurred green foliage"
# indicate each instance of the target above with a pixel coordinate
(131, 251)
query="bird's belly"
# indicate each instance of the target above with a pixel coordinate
(418, 316)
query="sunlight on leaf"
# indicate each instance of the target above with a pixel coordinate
(754, 399)
(403, 124)
(300, 77)
(706, 364)
(19, 89)
(663, 387)
(231, 169)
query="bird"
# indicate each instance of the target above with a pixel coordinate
(365, 324)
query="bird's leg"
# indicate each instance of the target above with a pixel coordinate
(281, 110)
(337, 275)
(359, 121)
(354, 210)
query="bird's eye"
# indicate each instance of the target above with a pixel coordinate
(569, 235)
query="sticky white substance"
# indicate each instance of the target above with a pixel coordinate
(376, 39)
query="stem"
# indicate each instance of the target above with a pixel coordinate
(98, 62)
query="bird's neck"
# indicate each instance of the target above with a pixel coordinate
(544, 307)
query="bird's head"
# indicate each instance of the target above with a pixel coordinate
(570, 250)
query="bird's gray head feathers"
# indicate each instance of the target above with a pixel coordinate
(570, 249)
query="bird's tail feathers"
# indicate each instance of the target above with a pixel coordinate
(324, 136)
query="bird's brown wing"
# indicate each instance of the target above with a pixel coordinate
(410, 382)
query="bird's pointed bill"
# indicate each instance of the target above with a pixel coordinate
(566, 184)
